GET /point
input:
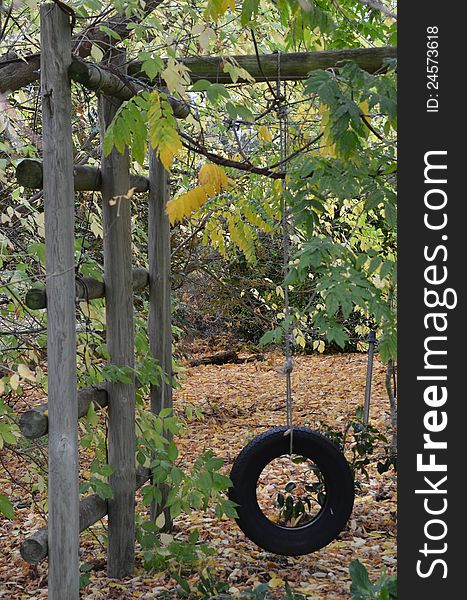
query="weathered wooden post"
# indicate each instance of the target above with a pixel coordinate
(160, 321)
(63, 531)
(120, 340)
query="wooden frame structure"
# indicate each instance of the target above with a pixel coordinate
(58, 418)
(60, 179)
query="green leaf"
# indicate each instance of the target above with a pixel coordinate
(172, 451)
(249, 8)
(338, 335)
(267, 338)
(386, 268)
(108, 142)
(221, 482)
(110, 32)
(238, 110)
(374, 264)
(6, 434)
(320, 82)
(205, 482)
(214, 463)
(91, 415)
(6, 508)
(216, 91)
(275, 335)
(391, 215)
(201, 85)
(360, 581)
(332, 303)
(175, 508)
(153, 66)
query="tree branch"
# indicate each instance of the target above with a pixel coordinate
(194, 146)
(16, 73)
(380, 7)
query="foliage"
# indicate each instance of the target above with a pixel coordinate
(187, 491)
(128, 129)
(362, 588)
(359, 442)
(6, 508)
(211, 588)
(212, 181)
(339, 189)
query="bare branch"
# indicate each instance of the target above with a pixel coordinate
(377, 6)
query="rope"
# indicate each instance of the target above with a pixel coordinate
(288, 364)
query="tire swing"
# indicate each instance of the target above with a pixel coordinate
(335, 475)
(338, 483)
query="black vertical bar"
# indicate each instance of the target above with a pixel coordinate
(432, 221)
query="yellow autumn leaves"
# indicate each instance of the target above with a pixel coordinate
(163, 131)
(212, 181)
(264, 134)
(216, 8)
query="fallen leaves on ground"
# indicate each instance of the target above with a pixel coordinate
(240, 401)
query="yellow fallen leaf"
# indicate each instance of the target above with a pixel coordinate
(275, 582)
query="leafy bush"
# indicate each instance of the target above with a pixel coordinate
(362, 589)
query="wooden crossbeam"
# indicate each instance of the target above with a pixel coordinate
(34, 423)
(98, 78)
(87, 288)
(91, 509)
(29, 174)
(293, 65)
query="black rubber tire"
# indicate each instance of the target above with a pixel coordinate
(334, 514)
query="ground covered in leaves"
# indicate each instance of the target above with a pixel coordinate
(239, 401)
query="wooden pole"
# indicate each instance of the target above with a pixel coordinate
(160, 322)
(63, 532)
(120, 340)
(369, 376)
